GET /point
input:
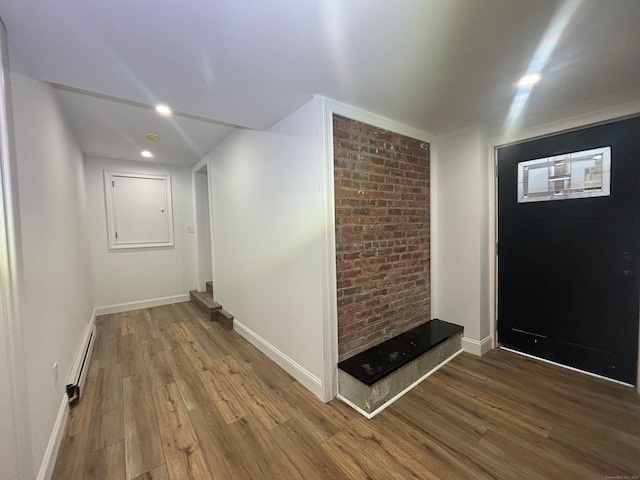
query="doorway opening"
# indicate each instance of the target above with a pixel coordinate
(203, 227)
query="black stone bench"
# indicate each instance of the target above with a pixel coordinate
(383, 360)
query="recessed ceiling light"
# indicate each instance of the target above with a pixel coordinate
(163, 109)
(529, 80)
(152, 137)
(146, 154)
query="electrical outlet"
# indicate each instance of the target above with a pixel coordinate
(191, 229)
(55, 374)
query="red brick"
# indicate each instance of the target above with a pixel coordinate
(382, 234)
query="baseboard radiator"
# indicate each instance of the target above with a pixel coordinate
(80, 366)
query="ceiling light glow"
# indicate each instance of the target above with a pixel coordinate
(163, 109)
(550, 40)
(529, 80)
(146, 154)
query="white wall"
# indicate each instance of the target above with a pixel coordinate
(139, 275)
(269, 227)
(54, 294)
(15, 440)
(461, 227)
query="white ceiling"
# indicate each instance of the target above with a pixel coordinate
(437, 65)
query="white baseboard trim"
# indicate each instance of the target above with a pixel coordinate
(152, 302)
(297, 371)
(403, 392)
(53, 447)
(476, 347)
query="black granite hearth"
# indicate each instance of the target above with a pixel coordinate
(377, 362)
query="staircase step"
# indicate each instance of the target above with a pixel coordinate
(210, 286)
(205, 303)
(225, 319)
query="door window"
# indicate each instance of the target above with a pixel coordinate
(573, 175)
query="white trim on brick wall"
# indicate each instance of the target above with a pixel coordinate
(330, 327)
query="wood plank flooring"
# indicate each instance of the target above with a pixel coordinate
(170, 395)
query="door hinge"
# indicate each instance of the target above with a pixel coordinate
(497, 249)
(116, 235)
(113, 183)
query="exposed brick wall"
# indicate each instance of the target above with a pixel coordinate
(382, 234)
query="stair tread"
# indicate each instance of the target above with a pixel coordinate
(206, 298)
(225, 319)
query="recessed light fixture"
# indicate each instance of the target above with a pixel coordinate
(146, 154)
(152, 137)
(529, 80)
(163, 109)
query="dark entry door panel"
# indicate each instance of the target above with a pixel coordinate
(568, 270)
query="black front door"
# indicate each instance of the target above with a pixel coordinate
(569, 268)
